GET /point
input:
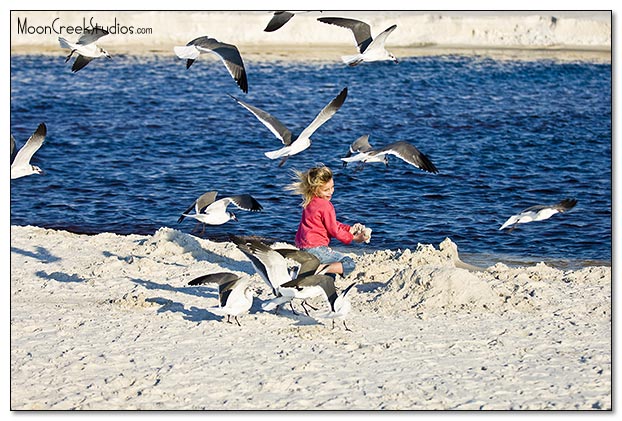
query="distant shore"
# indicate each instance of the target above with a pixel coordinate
(578, 35)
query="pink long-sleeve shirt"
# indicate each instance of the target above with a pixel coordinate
(319, 224)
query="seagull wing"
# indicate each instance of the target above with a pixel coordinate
(408, 153)
(230, 56)
(379, 41)
(308, 262)
(279, 19)
(327, 112)
(246, 202)
(272, 123)
(80, 62)
(12, 148)
(361, 144)
(205, 200)
(32, 145)
(91, 36)
(215, 278)
(341, 298)
(199, 205)
(361, 30)
(565, 205)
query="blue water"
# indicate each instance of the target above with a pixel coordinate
(134, 140)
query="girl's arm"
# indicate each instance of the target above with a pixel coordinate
(336, 229)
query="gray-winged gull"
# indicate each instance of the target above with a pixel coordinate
(21, 166)
(294, 144)
(369, 49)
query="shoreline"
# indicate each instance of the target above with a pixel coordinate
(482, 260)
(332, 54)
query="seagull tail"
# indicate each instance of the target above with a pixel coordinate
(352, 60)
(277, 154)
(189, 52)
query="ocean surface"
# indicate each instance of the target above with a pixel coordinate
(134, 140)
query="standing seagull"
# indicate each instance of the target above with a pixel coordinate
(538, 213)
(85, 47)
(369, 49)
(402, 149)
(339, 306)
(234, 295)
(214, 212)
(294, 144)
(228, 53)
(21, 167)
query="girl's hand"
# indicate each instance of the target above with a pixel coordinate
(359, 238)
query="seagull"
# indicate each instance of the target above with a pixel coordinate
(538, 213)
(369, 49)
(21, 167)
(228, 53)
(294, 144)
(279, 19)
(273, 268)
(85, 47)
(401, 149)
(235, 296)
(339, 306)
(362, 146)
(214, 212)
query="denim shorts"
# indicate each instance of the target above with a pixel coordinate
(328, 255)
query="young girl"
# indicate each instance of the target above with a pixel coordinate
(319, 222)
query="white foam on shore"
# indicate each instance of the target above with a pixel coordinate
(457, 30)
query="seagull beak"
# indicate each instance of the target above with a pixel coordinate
(396, 60)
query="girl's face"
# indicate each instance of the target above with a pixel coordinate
(326, 191)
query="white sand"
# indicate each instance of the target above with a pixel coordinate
(304, 37)
(108, 322)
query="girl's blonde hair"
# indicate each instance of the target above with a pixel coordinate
(309, 182)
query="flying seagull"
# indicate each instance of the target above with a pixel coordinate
(228, 53)
(402, 149)
(294, 144)
(538, 213)
(279, 19)
(21, 167)
(369, 49)
(85, 47)
(339, 306)
(214, 212)
(235, 296)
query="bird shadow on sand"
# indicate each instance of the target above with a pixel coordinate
(203, 292)
(192, 314)
(60, 277)
(42, 254)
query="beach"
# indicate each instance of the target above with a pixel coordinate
(109, 322)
